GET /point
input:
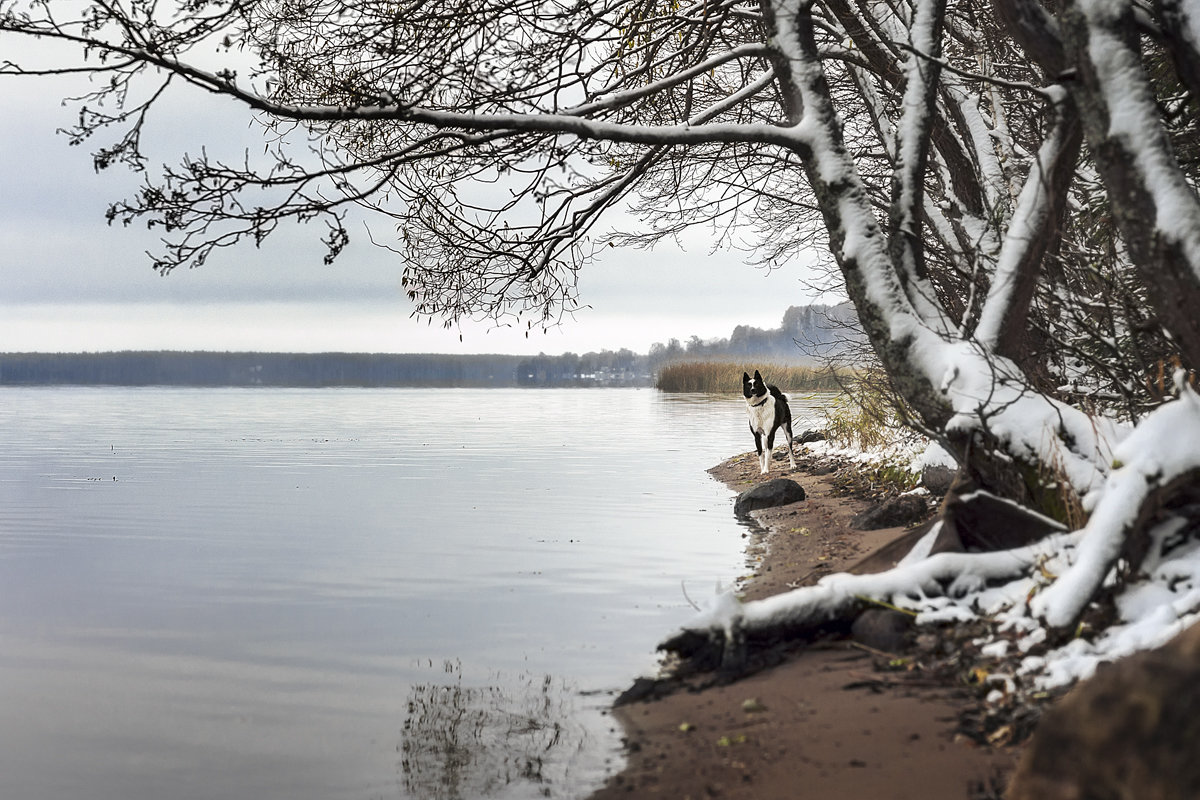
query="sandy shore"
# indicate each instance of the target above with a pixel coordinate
(823, 723)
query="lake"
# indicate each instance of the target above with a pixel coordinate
(284, 593)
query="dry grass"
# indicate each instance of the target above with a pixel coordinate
(1060, 499)
(725, 377)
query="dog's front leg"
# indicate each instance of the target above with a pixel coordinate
(758, 446)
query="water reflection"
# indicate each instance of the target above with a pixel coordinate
(511, 737)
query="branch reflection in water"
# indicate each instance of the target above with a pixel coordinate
(513, 737)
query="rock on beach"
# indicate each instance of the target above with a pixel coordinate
(775, 492)
(903, 510)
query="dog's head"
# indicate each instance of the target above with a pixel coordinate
(753, 387)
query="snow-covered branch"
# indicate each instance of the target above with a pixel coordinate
(1160, 458)
(916, 122)
(1031, 231)
(922, 585)
(1153, 200)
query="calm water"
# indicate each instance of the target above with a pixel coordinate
(343, 593)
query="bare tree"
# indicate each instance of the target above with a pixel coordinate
(935, 148)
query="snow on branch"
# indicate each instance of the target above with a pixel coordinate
(1133, 120)
(912, 148)
(624, 98)
(855, 234)
(1027, 234)
(573, 121)
(1164, 448)
(989, 394)
(925, 586)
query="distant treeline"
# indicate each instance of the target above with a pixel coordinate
(805, 333)
(170, 368)
(726, 377)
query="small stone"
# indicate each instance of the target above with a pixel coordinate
(882, 629)
(753, 706)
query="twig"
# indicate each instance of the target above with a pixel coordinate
(874, 652)
(886, 604)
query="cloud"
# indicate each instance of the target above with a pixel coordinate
(325, 327)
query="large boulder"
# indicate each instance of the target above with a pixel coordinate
(810, 436)
(1128, 732)
(775, 492)
(893, 512)
(937, 479)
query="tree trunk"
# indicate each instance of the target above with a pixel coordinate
(1155, 208)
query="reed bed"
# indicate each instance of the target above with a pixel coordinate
(725, 377)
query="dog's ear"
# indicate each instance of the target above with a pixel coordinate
(757, 377)
(745, 378)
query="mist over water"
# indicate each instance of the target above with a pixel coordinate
(278, 593)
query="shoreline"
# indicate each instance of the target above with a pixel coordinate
(822, 721)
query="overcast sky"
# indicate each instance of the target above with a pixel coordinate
(69, 282)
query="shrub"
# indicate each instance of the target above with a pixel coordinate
(867, 415)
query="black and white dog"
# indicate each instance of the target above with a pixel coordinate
(769, 411)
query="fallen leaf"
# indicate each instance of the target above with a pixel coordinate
(1002, 735)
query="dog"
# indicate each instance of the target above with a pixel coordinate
(769, 411)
